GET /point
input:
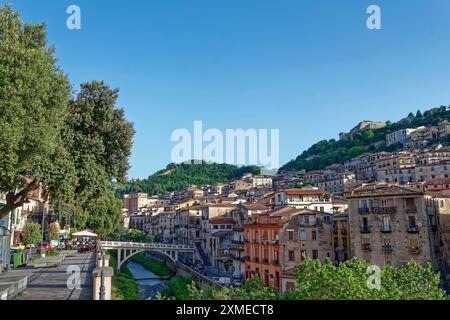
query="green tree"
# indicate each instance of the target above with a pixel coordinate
(104, 214)
(349, 281)
(53, 231)
(31, 233)
(33, 101)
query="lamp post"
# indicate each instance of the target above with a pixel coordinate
(102, 279)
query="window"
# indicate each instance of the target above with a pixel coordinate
(290, 235)
(386, 224)
(315, 254)
(291, 256)
(306, 218)
(314, 234)
(266, 254)
(304, 254)
(414, 243)
(411, 222)
(302, 235)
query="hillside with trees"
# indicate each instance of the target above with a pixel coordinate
(327, 152)
(178, 176)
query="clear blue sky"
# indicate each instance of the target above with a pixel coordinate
(310, 68)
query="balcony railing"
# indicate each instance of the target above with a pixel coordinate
(255, 259)
(276, 262)
(366, 229)
(387, 249)
(386, 229)
(414, 250)
(237, 241)
(384, 209)
(413, 229)
(411, 209)
(364, 210)
(266, 261)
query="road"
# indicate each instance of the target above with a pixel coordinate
(51, 283)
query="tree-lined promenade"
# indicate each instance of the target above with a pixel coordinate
(72, 146)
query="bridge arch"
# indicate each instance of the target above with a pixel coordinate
(135, 252)
(130, 249)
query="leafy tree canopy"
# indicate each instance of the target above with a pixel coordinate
(348, 281)
(178, 176)
(31, 233)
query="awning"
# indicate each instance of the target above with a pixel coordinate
(85, 233)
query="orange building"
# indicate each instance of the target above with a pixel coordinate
(262, 245)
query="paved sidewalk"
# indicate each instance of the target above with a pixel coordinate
(51, 283)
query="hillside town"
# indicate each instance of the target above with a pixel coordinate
(388, 208)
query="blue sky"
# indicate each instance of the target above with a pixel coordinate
(309, 68)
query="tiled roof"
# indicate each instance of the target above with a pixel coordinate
(382, 189)
(306, 192)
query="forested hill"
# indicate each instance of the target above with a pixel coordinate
(327, 152)
(178, 176)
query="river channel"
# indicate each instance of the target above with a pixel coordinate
(148, 283)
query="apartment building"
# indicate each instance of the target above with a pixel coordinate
(306, 233)
(188, 225)
(432, 164)
(338, 184)
(399, 168)
(134, 202)
(262, 245)
(341, 237)
(391, 225)
(399, 136)
(314, 199)
(209, 212)
(218, 242)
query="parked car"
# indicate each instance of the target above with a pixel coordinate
(237, 283)
(44, 246)
(225, 281)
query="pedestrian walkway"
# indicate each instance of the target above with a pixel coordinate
(51, 283)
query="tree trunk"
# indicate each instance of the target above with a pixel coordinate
(16, 200)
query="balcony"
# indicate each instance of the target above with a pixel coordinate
(366, 229)
(265, 261)
(384, 209)
(256, 260)
(247, 258)
(239, 242)
(387, 249)
(411, 209)
(364, 210)
(414, 250)
(414, 229)
(386, 229)
(366, 247)
(276, 262)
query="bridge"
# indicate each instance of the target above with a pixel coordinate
(125, 250)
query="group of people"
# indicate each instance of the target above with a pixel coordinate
(86, 246)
